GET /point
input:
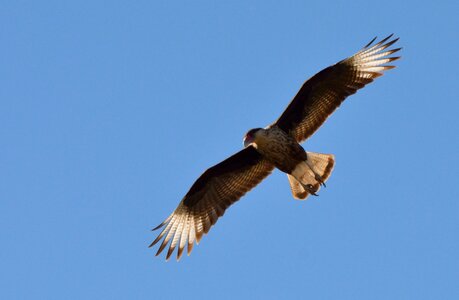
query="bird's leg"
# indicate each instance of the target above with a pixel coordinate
(316, 175)
(310, 189)
(319, 179)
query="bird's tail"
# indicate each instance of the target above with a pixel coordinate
(310, 174)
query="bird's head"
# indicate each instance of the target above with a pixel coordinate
(250, 136)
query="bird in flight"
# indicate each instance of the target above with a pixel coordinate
(275, 146)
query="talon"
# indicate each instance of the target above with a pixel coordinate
(310, 189)
(320, 180)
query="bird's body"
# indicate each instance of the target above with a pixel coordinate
(276, 146)
(283, 151)
(279, 148)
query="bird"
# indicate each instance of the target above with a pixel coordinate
(276, 146)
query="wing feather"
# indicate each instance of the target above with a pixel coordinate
(324, 92)
(208, 198)
(184, 236)
(192, 235)
(177, 233)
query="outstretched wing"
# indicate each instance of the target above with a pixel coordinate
(208, 198)
(324, 92)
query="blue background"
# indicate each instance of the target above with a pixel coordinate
(110, 110)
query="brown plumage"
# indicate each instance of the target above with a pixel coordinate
(276, 146)
(214, 191)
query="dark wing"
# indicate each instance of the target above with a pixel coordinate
(208, 198)
(323, 93)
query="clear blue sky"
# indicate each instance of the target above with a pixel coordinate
(110, 110)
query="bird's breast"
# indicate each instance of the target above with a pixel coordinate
(280, 149)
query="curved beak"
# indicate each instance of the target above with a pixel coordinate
(247, 142)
